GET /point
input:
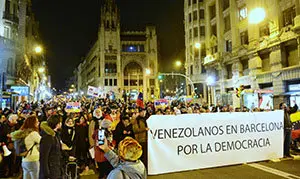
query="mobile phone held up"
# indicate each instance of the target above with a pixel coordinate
(101, 136)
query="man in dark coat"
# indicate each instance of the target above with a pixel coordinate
(287, 127)
(50, 149)
(123, 129)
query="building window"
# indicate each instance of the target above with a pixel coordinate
(152, 82)
(200, 0)
(7, 6)
(264, 30)
(191, 70)
(228, 46)
(189, 2)
(243, 13)
(201, 13)
(110, 48)
(214, 49)
(202, 30)
(110, 68)
(225, 4)
(229, 71)
(110, 82)
(244, 38)
(190, 17)
(212, 11)
(195, 15)
(106, 82)
(194, 1)
(133, 48)
(195, 32)
(288, 16)
(115, 82)
(191, 35)
(227, 24)
(214, 30)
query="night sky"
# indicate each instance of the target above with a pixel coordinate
(68, 29)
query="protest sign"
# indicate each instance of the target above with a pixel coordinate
(193, 141)
(161, 103)
(93, 91)
(73, 107)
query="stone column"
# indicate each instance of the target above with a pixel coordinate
(220, 25)
(204, 97)
(279, 88)
(276, 57)
(236, 42)
(255, 67)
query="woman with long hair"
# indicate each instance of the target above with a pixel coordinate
(30, 132)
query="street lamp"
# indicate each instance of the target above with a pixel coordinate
(41, 70)
(257, 15)
(38, 49)
(148, 71)
(178, 63)
(197, 45)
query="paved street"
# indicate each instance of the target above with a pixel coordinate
(261, 170)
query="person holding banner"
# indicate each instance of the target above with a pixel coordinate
(140, 130)
(287, 127)
(126, 164)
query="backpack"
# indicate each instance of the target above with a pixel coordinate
(20, 147)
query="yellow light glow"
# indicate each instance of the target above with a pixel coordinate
(178, 63)
(148, 71)
(45, 78)
(197, 45)
(257, 15)
(38, 49)
(41, 70)
(167, 90)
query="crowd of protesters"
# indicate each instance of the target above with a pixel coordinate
(56, 137)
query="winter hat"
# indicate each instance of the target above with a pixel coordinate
(13, 118)
(130, 149)
(95, 114)
(106, 123)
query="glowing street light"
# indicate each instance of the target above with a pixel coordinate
(197, 45)
(210, 80)
(257, 15)
(38, 49)
(72, 86)
(178, 63)
(41, 70)
(148, 71)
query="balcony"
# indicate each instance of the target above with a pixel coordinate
(10, 17)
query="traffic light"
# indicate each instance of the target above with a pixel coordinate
(160, 77)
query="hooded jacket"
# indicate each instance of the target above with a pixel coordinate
(125, 170)
(50, 153)
(31, 137)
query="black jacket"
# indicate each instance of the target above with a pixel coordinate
(118, 133)
(50, 153)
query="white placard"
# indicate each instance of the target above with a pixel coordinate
(93, 91)
(195, 141)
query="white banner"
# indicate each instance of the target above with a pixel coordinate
(93, 91)
(195, 141)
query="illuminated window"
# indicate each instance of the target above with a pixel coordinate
(243, 13)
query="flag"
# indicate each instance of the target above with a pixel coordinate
(140, 101)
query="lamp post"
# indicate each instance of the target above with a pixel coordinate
(256, 15)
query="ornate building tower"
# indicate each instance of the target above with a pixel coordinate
(120, 62)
